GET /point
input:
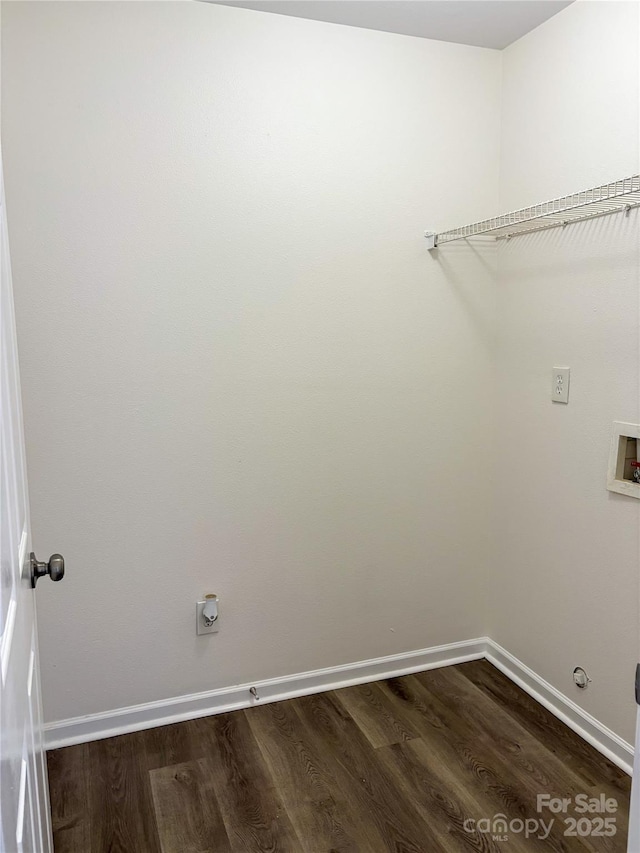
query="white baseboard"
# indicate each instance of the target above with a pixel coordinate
(161, 713)
(594, 732)
(166, 711)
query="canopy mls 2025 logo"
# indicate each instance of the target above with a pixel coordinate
(591, 817)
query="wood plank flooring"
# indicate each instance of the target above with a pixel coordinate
(408, 765)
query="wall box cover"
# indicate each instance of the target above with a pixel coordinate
(623, 475)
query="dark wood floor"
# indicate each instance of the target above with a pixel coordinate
(397, 765)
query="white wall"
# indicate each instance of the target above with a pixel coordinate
(242, 372)
(566, 584)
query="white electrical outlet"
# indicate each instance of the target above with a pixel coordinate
(204, 625)
(560, 384)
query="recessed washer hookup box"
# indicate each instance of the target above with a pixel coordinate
(623, 475)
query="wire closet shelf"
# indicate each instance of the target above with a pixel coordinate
(617, 196)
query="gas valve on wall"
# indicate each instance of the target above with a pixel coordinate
(207, 616)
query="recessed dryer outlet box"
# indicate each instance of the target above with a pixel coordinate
(623, 475)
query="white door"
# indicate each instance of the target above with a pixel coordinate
(633, 845)
(25, 822)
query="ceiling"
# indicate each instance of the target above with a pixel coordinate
(484, 23)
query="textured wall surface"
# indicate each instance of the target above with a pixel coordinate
(566, 590)
(242, 372)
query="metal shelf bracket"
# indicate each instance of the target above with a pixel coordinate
(431, 238)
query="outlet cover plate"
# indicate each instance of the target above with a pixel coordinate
(201, 628)
(560, 384)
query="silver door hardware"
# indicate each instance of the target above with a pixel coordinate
(254, 693)
(54, 568)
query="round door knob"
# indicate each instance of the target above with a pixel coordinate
(54, 568)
